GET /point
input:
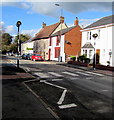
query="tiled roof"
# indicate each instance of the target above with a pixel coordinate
(102, 21)
(63, 31)
(46, 31)
(88, 45)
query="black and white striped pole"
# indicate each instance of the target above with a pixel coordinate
(18, 44)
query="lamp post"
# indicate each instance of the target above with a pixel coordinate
(60, 57)
(18, 26)
(94, 58)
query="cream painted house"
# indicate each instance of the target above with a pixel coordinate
(42, 38)
(102, 44)
(27, 47)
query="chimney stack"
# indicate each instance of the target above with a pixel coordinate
(76, 21)
(43, 25)
(61, 19)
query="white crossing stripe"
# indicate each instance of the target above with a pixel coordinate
(83, 73)
(95, 73)
(69, 73)
(62, 97)
(57, 79)
(67, 106)
(42, 75)
(55, 74)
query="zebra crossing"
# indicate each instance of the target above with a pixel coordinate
(67, 74)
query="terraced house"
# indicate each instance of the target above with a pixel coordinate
(42, 38)
(102, 44)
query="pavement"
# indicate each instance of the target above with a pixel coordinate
(10, 72)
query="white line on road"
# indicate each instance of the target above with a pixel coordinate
(69, 73)
(62, 98)
(57, 79)
(55, 85)
(42, 75)
(95, 73)
(67, 106)
(84, 74)
(55, 74)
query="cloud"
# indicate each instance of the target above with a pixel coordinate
(30, 32)
(1, 25)
(50, 9)
(10, 29)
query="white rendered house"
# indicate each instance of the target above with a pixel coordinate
(102, 44)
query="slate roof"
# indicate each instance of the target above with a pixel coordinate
(102, 21)
(63, 31)
(30, 40)
(46, 31)
(88, 45)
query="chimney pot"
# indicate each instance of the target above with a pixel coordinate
(76, 21)
(61, 19)
(43, 25)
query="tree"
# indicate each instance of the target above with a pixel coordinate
(6, 39)
(23, 38)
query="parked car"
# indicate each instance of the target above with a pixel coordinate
(36, 56)
(23, 56)
(28, 56)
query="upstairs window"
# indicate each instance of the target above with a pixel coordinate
(50, 42)
(58, 40)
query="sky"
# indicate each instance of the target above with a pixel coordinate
(32, 13)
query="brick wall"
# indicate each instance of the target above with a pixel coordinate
(74, 37)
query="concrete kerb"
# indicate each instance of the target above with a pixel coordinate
(85, 68)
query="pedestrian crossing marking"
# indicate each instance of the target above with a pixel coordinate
(67, 106)
(55, 74)
(69, 73)
(42, 75)
(95, 73)
(82, 73)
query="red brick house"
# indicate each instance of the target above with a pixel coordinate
(68, 45)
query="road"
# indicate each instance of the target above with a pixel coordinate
(71, 93)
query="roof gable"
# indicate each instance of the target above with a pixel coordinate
(63, 31)
(102, 21)
(46, 31)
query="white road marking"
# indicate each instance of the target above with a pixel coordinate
(57, 79)
(62, 98)
(42, 75)
(84, 74)
(69, 73)
(105, 90)
(55, 85)
(55, 74)
(95, 73)
(67, 106)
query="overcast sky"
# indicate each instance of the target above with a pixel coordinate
(33, 12)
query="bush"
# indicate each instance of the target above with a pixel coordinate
(81, 58)
(73, 58)
(87, 60)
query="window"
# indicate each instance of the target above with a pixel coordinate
(98, 34)
(50, 41)
(90, 53)
(57, 52)
(87, 35)
(58, 40)
(90, 36)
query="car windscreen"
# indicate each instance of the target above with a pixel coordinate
(37, 55)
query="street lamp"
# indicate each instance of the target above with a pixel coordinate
(94, 58)
(60, 57)
(18, 26)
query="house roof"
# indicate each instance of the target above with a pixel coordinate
(102, 21)
(88, 45)
(63, 31)
(46, 31)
